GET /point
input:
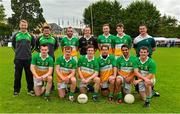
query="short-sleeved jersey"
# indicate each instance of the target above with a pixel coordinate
(106, 67)
(103, 40)
(147, 67)
(50, 41)
(66, 67)
(42, 64)
(73, 42)
(126, 66)
(147, 41)
(119, 41)
(88, 67)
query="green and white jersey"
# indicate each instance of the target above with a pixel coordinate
(103, 40)
(66, 67)
(42, 63)
(147, 41)
(50, 41)
(106, 67)
(119, 41)
(147, 67)
(88, 67)
(126, 66)
(73, 42)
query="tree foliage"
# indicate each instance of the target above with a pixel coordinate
(141, 12)
(169, 27)
(103, 12)
(29, 10)
(2, 13)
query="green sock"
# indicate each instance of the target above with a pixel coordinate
(110, 95)
(119, 95)
(95, 94)
(71, 93)
(148, 98)
(46, 94)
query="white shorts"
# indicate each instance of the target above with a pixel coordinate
(141, 84)
(62, 85)
(37, 82)
(126, 86)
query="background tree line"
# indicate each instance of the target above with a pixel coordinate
(138, 12)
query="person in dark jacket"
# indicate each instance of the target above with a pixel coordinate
(23, 44)
(87, 39)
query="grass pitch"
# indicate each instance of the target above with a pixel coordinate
(168, 84)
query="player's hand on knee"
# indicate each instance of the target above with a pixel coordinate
(135, 82)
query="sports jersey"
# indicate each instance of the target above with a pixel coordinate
(66, 67)
(83, 42)
(103, 40)
(42, 64)
(147, 67)
(88, 67)
(126, 66)
(23, 44)
(73, 42)
(119, 41)
(106, 67)
(147, 41)
(50, 41)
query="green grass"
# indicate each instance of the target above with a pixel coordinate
(168, 79)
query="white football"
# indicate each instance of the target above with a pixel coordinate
(82, 98)
(129, 98)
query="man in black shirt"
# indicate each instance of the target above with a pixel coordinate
(87, 39)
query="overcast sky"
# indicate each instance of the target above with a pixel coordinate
(72, 10)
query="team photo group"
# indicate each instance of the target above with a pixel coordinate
(112, 72)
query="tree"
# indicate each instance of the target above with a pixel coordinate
(141, 12)
(2, 13)
(29, 10)
(168, 27)
(103, 12)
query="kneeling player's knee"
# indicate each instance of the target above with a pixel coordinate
(49, 78)
(73, 79)
(112, 81)
(97, 80)
(118, 80)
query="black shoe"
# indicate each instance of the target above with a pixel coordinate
(95, 99)
(31, 93)
(16, 94)
(156, 94)
(110, 99)
(147, 104)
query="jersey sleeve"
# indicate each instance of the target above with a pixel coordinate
(34, 58)
(96, 65)
(152, 67)
(80, 61)
(113, 61)
(98, 39)
(129, 41)
(51, 62)
(77, 42)
(135, 63)
(62, 42)
(58, 61)
(74, 66)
